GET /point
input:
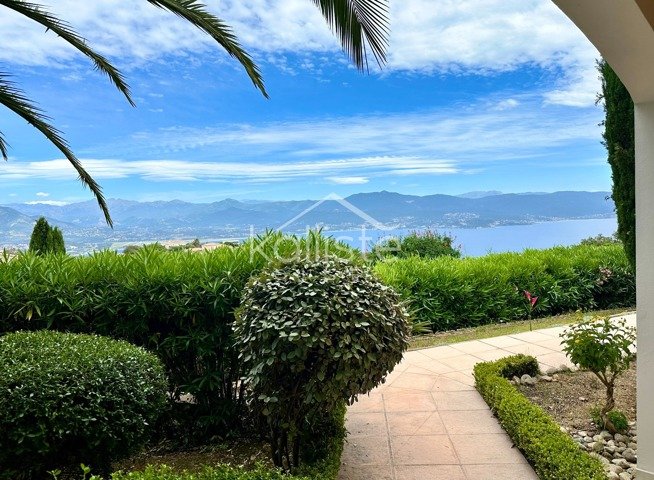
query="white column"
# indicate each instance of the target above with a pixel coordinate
(644, 118)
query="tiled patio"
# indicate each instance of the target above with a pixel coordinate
(429, 423)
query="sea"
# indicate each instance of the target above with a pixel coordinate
(475, 242)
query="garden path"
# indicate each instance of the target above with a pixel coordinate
(427, 422)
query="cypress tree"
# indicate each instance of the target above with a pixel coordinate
(619, 142)
(46, 239)
(39, 238)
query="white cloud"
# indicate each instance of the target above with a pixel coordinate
(448, 36)
(182, 170)
(55, 203)
(478, 131)
(42, 194)
(348, 180)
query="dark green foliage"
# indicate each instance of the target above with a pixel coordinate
(209, 473)
(516, 366)
(617, 418)
(315, 334)
(449, 293)
(427, 244)
(178, 305)
(67, 399)
(46, 239)
(553, 453)
(599, 240)
(619, 142)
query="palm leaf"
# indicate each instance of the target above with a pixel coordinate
(196, 13)
(64, 30)
(15, 100)
(357, 23)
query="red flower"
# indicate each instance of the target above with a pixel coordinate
(532, 299)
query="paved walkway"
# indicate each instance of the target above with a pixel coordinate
(429, 423)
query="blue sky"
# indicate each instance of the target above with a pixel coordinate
(477, 95)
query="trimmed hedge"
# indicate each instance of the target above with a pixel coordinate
(448, 293)
(553, 453)
(214, 473)
(179, 305)
(67, 399)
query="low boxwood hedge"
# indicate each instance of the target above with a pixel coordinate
(553, 453)
(69, 398)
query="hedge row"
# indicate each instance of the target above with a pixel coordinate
(67, 399)
(553, 453)
(179, 305)
(448, 293)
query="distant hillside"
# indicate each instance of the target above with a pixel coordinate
(84, 225)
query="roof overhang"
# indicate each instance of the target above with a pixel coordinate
(623, 32)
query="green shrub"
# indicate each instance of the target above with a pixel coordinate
(315, 334)
(600, 239)
(449, 293)
(46, 239)
(426, 244)
(214, 473)
(618, 419)
(66, 399)
(553, 453)
(179, 305)
(605, 347)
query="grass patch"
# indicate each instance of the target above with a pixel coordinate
(499, 329)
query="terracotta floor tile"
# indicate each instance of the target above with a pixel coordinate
(365, 472)
(434, 366)
(499, 472)
(415, 423)
(553, 332)
(530, 349)
(367, 403)
(502, 342)
(464, 377)
(461, 362)
(487, 448)
(414, 381)
(531, 337)
(428, 472)
(492, 355)
(447, 384)
(473, 346)
(423, 450)
(555, 359)
(409, 402)
(366, 450)
(470, 422)
(440, 352)
(465, 400)
(358, 424)
(553, 344)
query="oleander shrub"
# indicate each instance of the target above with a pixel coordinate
(71, 398)
(315, 334)
(553, 453)
(179, 305)
(449, 293)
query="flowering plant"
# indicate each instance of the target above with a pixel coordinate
(532, 300)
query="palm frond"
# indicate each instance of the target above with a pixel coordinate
(15, 100)
(38, 14)
(357, 23)
(196, 13)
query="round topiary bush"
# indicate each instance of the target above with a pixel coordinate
(314, 334)
(67, 399)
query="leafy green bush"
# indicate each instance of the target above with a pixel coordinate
(605, 347)
(209, 473)
(179, 305)
(68, 398)
(618, 419)
(315, 334)
(553, 453)
(599, 240)
(426, 244)
(449, 293)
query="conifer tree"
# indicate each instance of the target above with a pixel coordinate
(619, 143)
(46, 239)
